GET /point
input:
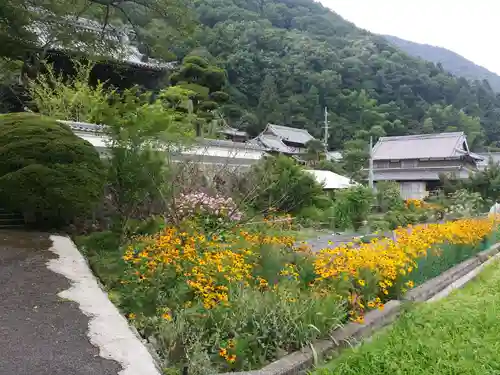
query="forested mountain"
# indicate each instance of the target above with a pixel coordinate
(287, 59)
(451, 61)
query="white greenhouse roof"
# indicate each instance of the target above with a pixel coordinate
(331, 180)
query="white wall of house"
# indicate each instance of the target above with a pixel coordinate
(413, 189)
(216, 155)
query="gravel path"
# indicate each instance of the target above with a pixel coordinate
(334, 240)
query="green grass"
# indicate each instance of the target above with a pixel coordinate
(457, 335)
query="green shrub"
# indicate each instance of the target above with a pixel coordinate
(403, 218)
(281, 183)
(352, 207)
(309, 216)
(47, 172)
(389, 196)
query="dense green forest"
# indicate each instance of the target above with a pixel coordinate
(451, 61)
(286, 60)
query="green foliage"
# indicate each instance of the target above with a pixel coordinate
(464, 203)
(46, 172)
(73, 99)
(486, 182)
(352, 207)
(259, 322)
(369, 86)
(204, 83)
(467, 315)
(330, 165)
(389, 196)
(155, 24)
(452, 62)
(401, 218)
(440, 260)
(282, 184)
(355, 156)
(140, 130)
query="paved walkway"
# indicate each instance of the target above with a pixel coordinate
(334, 240)
(40, 332)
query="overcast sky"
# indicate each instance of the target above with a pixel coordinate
(469, 27)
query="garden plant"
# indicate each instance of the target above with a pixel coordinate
(235, 298)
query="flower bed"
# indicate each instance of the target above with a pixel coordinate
(238, 300)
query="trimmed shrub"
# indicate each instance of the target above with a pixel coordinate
(47, 173)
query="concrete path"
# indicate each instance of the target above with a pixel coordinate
(44, 334)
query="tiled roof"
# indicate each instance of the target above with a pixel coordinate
(230, 144)
(495, 156)
(83, 126)
(295, 135)
(273, 143)
(234, 132)
(426, 146)
(129, 54)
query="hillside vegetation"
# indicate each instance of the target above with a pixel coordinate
(451, 61)
(287, 59)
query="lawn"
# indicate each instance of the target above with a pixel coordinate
(457, 335)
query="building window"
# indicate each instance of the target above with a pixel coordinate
(409, 164)
(382, 164)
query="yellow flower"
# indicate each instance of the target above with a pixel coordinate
(167, 316)
(410, 284)
(361, 282)
(231, 358)
(131, 316)
(222, 352)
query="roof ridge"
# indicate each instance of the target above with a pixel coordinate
(422, 136)
(289, 127)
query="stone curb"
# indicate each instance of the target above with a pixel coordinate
(297, 363)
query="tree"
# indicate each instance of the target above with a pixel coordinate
(286, 59)
(47, 172)
(282, 184)
(204, 82)
(92, 27)
(315, 150)
(485, 182)
(141, 131)
(268, 102)
(355, 156)
(352, 207)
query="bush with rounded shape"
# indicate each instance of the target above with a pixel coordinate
(47, 172)
(280, 183)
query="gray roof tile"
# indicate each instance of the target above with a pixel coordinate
(426, 146)
(273, 143)
(290, 134)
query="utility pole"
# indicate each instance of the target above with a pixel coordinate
(325, 138)
(370, 168)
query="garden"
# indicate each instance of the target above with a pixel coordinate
(238, 299)
(212, 271)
